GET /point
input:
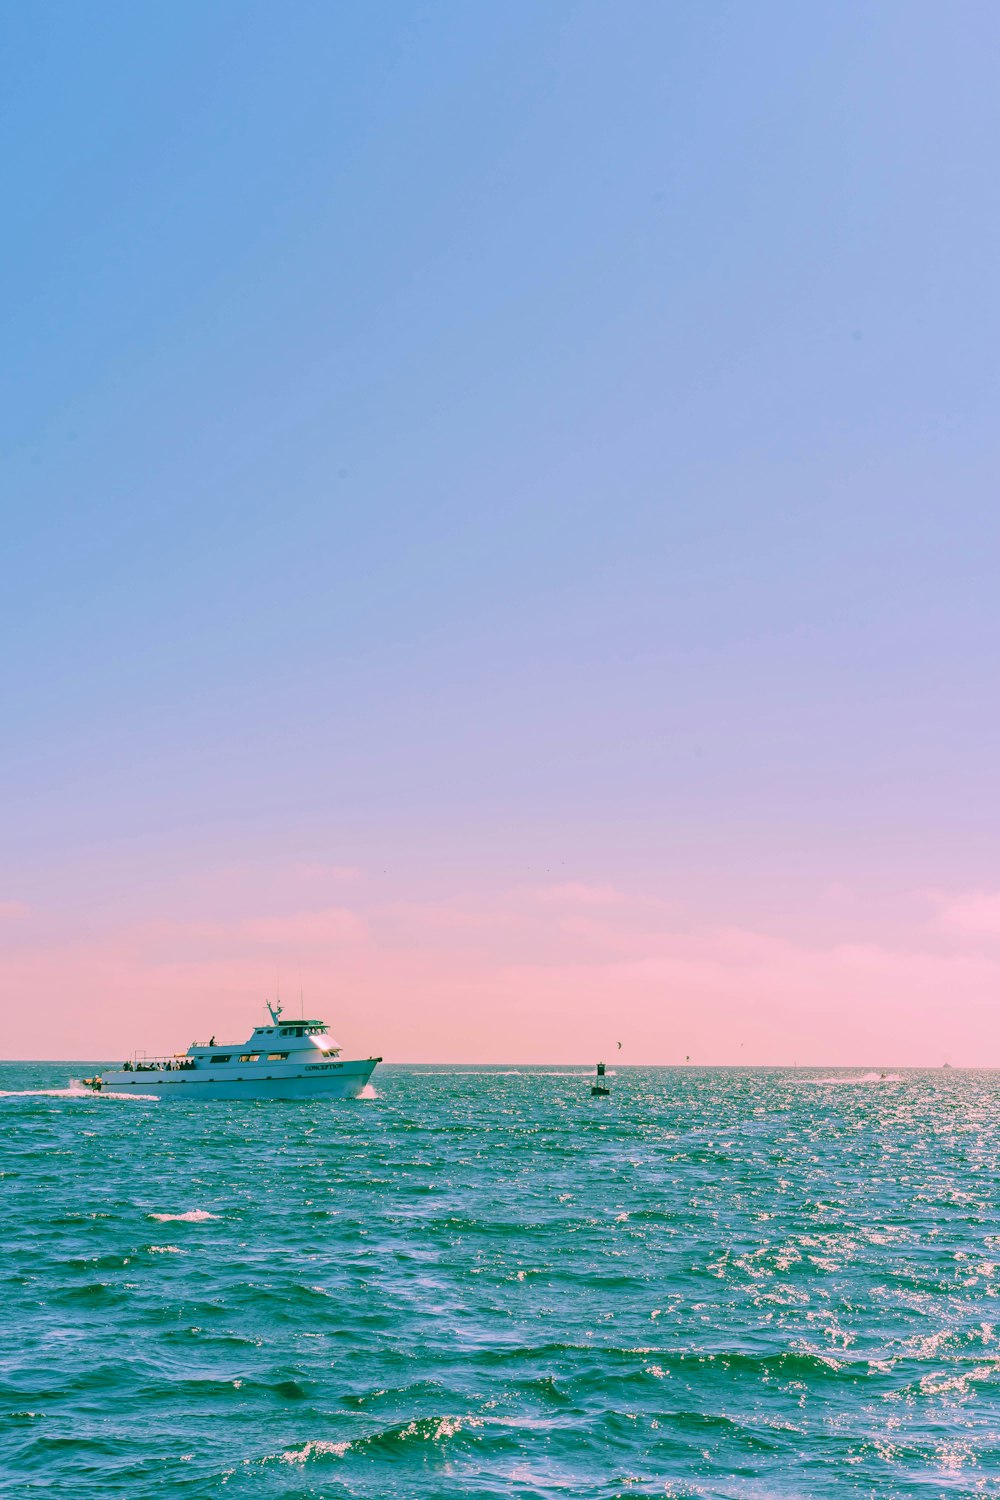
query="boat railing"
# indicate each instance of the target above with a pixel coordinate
(144, 1062)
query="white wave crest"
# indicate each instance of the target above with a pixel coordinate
(316, 1447)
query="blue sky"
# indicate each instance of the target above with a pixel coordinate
(487, 438)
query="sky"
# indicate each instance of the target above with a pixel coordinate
(500, 528)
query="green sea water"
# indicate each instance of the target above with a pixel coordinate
(482, 1282)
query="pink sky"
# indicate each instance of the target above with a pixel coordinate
(558, 971)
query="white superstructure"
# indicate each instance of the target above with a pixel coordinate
(285, 1060)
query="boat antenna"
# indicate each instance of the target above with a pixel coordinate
(275, 1010)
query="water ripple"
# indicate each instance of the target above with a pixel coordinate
(481, 1282)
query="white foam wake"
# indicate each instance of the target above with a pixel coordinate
(71, 1093)
(857, 1078)
(193, 1216)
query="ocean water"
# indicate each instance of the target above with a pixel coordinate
(482, 1282)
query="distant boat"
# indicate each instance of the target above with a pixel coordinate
(599, 1088)
(286, 1060)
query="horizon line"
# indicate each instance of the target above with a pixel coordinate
(562, 1063)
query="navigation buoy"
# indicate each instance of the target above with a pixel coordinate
(599, 1087)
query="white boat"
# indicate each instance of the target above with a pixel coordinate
(286, 1060)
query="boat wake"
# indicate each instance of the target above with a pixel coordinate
(73, 1093)
(193, 1216)
(855, 1078)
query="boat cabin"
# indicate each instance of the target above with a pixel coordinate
(283, 1041)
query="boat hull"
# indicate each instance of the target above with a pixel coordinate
(340, 1080)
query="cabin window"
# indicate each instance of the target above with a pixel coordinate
(221, 1057)
(249, 1057)
(277, 1057)
(286, 1031)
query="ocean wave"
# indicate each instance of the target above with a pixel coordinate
(386, 1440)
(239, 1388)
(92, 1294)
(792, 1363)
(409, 1393)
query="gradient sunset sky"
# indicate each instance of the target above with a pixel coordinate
(501, 527)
